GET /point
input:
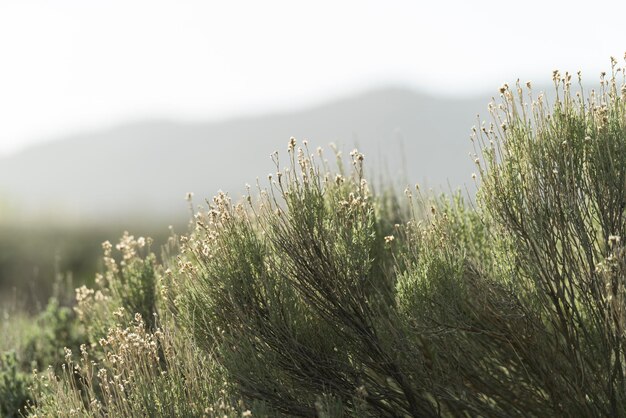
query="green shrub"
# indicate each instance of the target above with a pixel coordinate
(296, 295)
(131, 366)
(33, 343)
(512, 310)
(14, 394)
(556, 182)
(326, 299)
(56, 329)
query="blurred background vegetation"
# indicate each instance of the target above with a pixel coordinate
(36, 257)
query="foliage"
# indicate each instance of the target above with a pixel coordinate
(56, 330)
(512, 310)
(265, 284)
(556, 182)
(14, 394)
(33, 254)
(30, 343)
(132, 366)
(326, 299)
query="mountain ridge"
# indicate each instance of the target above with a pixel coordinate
(146, 167)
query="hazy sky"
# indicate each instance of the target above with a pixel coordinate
(67, 65)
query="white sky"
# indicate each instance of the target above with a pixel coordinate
(67, 65)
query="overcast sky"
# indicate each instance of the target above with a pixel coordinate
(67, 65)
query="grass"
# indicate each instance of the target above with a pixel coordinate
(323, 298)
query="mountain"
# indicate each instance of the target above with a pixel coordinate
(146, 168)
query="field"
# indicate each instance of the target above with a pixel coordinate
(319, 294)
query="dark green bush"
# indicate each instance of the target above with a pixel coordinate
(300, 296)
(515, 309)
(56, 328)
(36, 343)
(131, 366)
(14, 393)
(556, 182)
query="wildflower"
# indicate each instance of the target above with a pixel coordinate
(119, 312)
(614, 240)
(99, 279)
(83, 293)
(389, 239)
(356, 155)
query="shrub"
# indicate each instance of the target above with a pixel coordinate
(323, 298)
(33, 342)
(131, 366)
(14, 394)
(513, 310)
(297, 296)
(556, 182)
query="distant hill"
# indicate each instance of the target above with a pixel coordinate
(145, 168)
